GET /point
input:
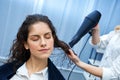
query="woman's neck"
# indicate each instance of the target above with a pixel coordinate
(34, 65)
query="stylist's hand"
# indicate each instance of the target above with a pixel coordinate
(96, 27)
(73, 57)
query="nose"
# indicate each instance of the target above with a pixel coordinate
(43, 42)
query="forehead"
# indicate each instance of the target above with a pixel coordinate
(39, 28)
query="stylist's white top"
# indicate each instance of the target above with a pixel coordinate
(22, 74)
(110, 45)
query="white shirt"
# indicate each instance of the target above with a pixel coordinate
(110, 45)
(22, 74)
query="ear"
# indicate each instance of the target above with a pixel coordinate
(26, 46)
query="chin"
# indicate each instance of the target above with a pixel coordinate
(45, 56)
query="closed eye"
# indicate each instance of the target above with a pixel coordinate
(34, 38)
(48, 35)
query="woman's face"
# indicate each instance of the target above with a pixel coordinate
(40, 40)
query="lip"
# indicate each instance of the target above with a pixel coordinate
(43, 50)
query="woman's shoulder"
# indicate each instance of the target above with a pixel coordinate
(54, 73)
(8, 69)
(5, 70)
(5, 67)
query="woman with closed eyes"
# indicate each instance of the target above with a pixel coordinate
(34, 43)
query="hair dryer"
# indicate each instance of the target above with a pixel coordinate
(90, 21)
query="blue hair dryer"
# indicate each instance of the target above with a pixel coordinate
(90, 21)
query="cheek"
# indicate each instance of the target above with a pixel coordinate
(51, 44)
(33, 46)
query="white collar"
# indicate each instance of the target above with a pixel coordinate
(23, 71)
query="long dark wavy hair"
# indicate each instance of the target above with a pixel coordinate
(18, 52)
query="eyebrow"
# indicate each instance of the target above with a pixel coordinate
(48, 33)
(34, 35)
(44, 34)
